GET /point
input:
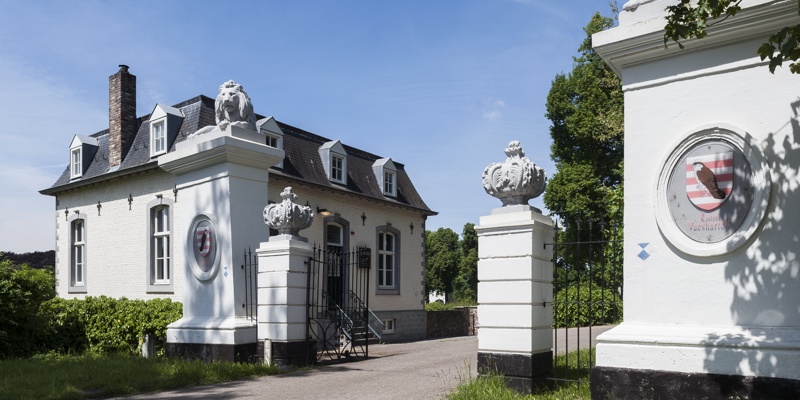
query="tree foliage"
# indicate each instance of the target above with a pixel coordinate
(691, 19)
(23, 290)
(466, 285)
(585, 108)
(452, 263)
(443, 257)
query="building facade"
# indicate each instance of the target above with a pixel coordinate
(120, 230)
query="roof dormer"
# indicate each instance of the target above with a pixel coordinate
(386, 176)
(334, 160)
(274, 135)
(81, 152)
(165, 121)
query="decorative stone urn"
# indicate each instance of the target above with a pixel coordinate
(516, 180)
(288, 217)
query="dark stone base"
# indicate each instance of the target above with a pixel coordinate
(624, 383)
(523, 372)
(212, 352)
(290, 354)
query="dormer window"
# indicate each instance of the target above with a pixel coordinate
(388, 182)
(337, 168)
(334, 160)
(386, 176)
(165, 122)
(81, 151)
(273, 134)
(77, 164)
(158, 138)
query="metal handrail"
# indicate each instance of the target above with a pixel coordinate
(374, 323)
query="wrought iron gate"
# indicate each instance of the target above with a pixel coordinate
(587, 292)
(340, 324)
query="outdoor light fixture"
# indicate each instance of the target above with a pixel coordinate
(412, 227)
(130, 201)
(363, 218)
(99, 206)
(175, 193)
(323, 211)
(66, 214)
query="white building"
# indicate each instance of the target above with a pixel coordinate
(120, 230)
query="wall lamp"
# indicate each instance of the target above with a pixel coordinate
(323, 211)
(363, 218)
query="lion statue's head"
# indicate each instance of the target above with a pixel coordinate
(233, 105)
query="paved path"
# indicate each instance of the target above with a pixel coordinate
(427, 369)
(420, 370)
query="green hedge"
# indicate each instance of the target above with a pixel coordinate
(23, 290)
(578, 306)
(106, 325)
(33, 320)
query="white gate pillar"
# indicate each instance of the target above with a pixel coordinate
(515, 276)
(283, 264)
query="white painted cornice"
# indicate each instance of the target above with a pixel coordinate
(643, 41)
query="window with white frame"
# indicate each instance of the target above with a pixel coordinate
(386, 260)
(388, 325)
(159, 245)
(78, 253)
(337, 168)
(76, 162)
(158, 138)
(272, 141)
(389, 183)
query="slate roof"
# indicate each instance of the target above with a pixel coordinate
(302, 160)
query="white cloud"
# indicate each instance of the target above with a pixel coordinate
(492, 109)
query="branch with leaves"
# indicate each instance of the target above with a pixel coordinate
(686, 21)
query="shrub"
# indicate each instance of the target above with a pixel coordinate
(106, 325)
(22, 292)
(580, 306)
(438, 306)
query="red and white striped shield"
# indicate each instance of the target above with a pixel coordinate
(709, 179)
(202, 239)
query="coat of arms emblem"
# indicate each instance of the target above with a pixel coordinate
(709, 179)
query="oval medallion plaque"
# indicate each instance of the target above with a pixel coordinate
(713, 192)
(201, 247)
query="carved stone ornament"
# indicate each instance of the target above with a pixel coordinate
(516, 180)
(288, 217)
(232, 107)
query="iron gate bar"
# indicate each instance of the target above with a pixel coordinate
(583, 262)
(339, 323)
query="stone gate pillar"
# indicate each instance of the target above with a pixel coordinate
(283, 264)
(712, 149)
(515, 275)
(221, 175)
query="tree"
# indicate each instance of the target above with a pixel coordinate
(466, 285)
(443, 258)
(585, 108)
(686, 21)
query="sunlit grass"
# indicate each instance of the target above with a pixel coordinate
(572, 366)
(100, 376)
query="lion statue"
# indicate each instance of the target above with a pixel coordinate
(232, 107)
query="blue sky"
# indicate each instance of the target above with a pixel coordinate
(440, 86)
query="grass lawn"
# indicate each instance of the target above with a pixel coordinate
(99, 376)
(565, 366)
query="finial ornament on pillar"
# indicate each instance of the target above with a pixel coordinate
(516, 180)
(288, 217)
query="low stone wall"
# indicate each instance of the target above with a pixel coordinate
(462, 321)
(410, 325)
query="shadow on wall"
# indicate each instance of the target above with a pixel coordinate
(766, 288)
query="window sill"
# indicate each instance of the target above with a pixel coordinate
(164, 288)
(76, 289)
(388, 291)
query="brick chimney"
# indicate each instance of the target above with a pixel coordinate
(122, 123)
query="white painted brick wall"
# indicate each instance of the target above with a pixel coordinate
(116, 240)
